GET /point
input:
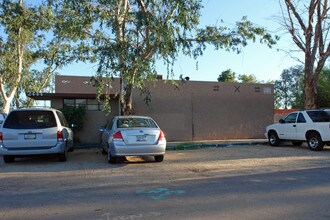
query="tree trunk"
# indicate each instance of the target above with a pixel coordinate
(12, 91)
(128, 101)
(120, 37)
(310, 87)
(316, 45)
(6, 104)
(310, 95)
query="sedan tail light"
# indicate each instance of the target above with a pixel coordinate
(117, 136)
(161, 136)
(60, 136)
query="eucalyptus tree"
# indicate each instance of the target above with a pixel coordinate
(127, 37)
(21, 37)
(308, 23)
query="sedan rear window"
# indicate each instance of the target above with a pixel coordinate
(30, 120)
(319, 116)
(136, 122)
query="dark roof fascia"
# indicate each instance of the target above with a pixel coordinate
(47, 96)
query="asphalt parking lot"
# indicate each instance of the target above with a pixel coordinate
(86, 186)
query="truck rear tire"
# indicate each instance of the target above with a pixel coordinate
(315, 142)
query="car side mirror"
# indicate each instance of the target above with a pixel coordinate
(282, 121)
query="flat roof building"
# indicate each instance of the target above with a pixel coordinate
(193, 111)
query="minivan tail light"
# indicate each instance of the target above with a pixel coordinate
(1, 137)
(161, 136)
(117, 136)
(60, 136)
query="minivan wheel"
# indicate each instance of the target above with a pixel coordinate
(62, 157)
(104, 151)
(159, 158)
(9, 158)
(315, 142)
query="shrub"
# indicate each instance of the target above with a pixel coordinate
(75, 117)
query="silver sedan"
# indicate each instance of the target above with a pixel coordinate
(133, 136)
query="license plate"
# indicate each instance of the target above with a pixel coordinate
(141, 138)
(29, 136)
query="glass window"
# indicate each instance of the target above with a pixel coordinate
(291, 118)
(109, 125)
(301, 118)
(92, 104)
(68, 103)
(62, 119)
(30, 120)
(80, 103)
(135, 123)
(88, 104)
(318, 116)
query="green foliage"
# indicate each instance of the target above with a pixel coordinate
(323, 89)
(308, 24)
(227, 76)
(22, 44)
(126, 38)
(75, 117)
(232, 39)
(245, 78)
(289, 89)
(230, 76)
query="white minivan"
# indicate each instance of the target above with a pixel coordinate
(34, 131)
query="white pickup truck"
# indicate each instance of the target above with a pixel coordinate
(312, 126)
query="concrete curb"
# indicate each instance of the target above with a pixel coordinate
(176, 146)
(220, 144)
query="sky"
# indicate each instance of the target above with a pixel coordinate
(257, 59)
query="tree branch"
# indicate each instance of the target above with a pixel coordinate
(291, 27)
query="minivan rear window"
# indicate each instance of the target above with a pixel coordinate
(30, 120)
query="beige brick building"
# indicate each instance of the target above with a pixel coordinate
(192, 112)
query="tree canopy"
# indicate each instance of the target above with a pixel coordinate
(323, 89)
(227, 76)
(289, 88)
(21, 45)
(126, 38)
(308, 23)
(230, 76)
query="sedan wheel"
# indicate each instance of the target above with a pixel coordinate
(9, 158)
(62, 157)
(315, 142)
(111, 159)
(159, 158)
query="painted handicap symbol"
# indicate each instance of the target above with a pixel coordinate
(160, 193)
